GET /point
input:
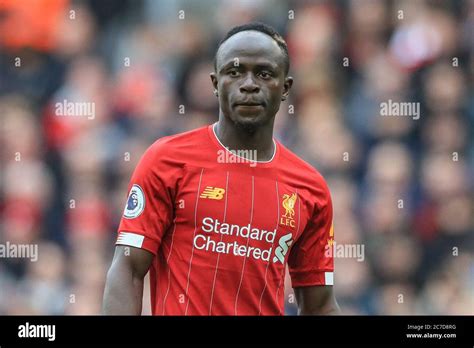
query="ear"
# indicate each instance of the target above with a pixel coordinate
(286, 87)
(214, 80)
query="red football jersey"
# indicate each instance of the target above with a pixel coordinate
(223, 228)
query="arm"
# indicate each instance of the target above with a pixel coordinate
(124, 284)
(314, 300)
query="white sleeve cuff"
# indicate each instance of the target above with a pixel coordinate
(130, 239)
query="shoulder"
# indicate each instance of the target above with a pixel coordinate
(173, 150)
(304, 172)
(177, 145)
(188, 139)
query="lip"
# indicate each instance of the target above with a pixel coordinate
(248, 104)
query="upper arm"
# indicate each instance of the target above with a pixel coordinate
(124, 285)
(131, 260)
(149, 208)
(316, 300)
(311, 261)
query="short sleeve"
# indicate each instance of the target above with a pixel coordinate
(149, 207)
(311, 259)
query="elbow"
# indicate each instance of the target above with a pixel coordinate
(331, 308)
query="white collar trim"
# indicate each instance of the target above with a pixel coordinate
(227, 149)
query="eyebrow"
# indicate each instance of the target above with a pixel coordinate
(230, 64)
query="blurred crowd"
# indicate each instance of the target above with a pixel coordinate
(402, 188)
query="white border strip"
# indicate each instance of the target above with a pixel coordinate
(328, 278)
(130, 239)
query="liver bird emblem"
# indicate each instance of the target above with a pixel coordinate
(289, 204)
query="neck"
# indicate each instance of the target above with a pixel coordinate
(236, 137)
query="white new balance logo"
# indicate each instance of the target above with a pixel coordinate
(284, 243)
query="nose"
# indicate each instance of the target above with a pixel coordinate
(248, 84)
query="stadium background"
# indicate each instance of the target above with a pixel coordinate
(145, 65)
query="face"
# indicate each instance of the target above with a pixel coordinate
(250, 78)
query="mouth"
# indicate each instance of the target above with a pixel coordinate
(248, 104)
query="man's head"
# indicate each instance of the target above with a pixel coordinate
(251, 74)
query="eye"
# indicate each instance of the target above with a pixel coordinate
(265, 74)
(233, 73)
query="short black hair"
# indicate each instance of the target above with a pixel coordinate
(263, 28)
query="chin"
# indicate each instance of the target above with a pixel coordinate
(249, 123)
